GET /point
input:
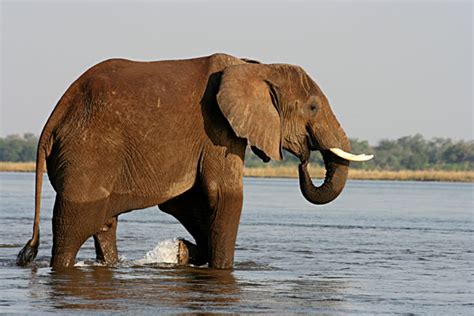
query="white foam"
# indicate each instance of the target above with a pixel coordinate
(165, 252)
(89, 263)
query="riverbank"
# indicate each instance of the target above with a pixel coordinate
(17, 166)
(316, 172)
(355, 174)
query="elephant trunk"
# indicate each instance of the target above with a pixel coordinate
(336, 175)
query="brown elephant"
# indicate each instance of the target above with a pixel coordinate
(128, 135)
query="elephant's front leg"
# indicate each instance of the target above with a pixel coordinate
(189, 253)
(226, 204)
(191, 210)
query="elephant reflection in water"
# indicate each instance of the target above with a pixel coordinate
(102, 288)
(128, 135)
(181, 289)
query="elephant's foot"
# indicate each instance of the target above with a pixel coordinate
(60, 261)
(188, 253)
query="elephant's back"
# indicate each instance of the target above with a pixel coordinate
(123, 95)
(121, 87)
(139, 99)
(130, 122)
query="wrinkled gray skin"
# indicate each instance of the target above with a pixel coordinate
(129, 135)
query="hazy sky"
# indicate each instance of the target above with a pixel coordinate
(390, 69)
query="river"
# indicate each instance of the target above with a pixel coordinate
(381, 248)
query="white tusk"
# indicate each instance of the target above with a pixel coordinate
(351, 157)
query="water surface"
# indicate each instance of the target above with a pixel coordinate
(381, 248)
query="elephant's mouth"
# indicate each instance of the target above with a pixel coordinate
(312, 142)
(313, 145)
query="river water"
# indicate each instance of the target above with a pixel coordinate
(381, 248)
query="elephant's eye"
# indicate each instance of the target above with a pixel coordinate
(313, 108)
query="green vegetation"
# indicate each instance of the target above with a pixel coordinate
(405, 153)
(18, 148)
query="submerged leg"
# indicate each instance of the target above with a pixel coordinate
(106, 243)
(223, 228)
(73, 224)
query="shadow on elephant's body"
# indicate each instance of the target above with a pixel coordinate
(212, 116)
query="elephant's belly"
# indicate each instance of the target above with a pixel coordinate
(131, 172)
(143, 196)
(123, 190)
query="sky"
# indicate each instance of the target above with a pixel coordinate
(389, 68)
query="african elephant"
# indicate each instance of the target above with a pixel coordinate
(128, 135)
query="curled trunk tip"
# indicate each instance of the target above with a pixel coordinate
(337, 170)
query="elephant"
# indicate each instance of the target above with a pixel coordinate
(128, 135)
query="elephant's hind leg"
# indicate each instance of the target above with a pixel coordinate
(106, 243)
(73, 223)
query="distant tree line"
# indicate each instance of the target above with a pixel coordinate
(410, 152)
(405, 153)
(18, 148)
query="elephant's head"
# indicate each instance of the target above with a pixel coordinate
(279, 107)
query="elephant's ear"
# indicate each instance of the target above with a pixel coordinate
(246, 98)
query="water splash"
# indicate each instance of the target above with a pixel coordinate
(89, 263)
(165, 252)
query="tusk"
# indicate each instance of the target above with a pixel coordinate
(351, 157)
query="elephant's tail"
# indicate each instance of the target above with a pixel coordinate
(30, 250)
